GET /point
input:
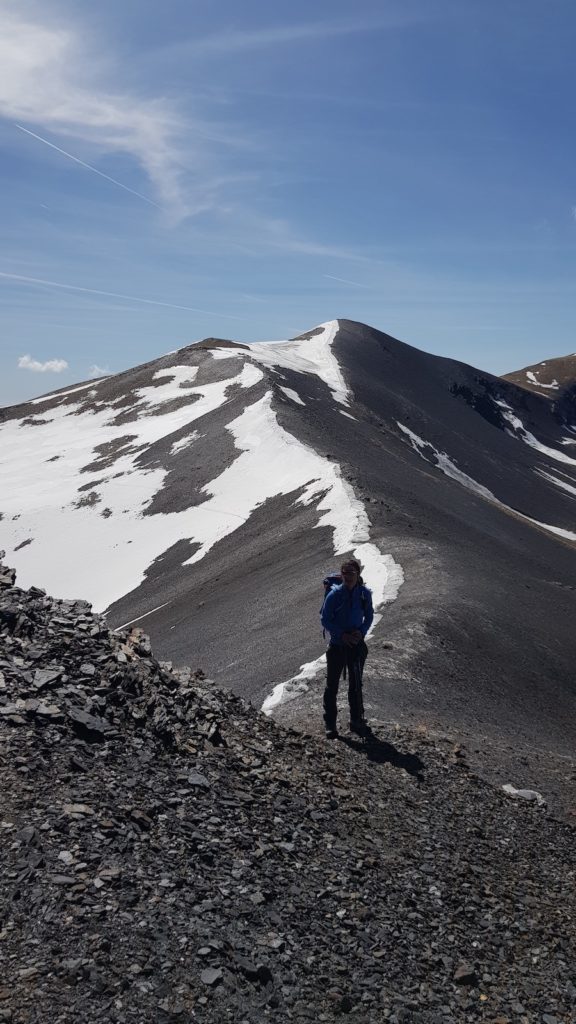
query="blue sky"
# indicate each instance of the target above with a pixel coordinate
(182, 169)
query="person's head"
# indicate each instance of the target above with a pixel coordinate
(350, 572)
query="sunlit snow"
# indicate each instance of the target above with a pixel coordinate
(184, 442)
(533, 379)
(98, 542)
(63, 394)
(307, 355)
(292, 394)
(175, 387)
(77, 550)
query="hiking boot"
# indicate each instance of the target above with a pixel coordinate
(359, 726)
(331, 732)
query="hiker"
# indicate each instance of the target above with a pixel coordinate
(347, 615)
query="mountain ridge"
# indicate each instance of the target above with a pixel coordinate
(207, 492)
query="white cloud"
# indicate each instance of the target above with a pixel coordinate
(50, 366)
(46, 78)
(99, 371)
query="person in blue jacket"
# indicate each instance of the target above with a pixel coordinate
(347, 615)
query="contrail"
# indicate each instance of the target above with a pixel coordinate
(89, 167)
(115, 295)
(344, 281)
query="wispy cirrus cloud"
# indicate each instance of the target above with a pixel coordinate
(47, 78)
(52, 81)
(50, 366)
(236, 40)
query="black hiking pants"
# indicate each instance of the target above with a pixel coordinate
(337, 658)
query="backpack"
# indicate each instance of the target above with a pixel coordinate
(334, 579)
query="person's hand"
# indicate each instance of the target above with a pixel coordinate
(352, 638)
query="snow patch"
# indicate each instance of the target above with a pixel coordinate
(274, 462)
(227, 353)
(292, 394)
(447, 466)
(350, 417)
(184, 442)
(173, 388)
(570, 488)
(528, 438)
(557, 530)
(524, 794)
(140, 617)
(533, 379)
(308, 355)
(292, 688)
(61, 394)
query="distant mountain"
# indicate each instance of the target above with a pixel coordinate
(204, 495)
(555, 379)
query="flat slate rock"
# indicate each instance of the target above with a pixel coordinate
(169, 854)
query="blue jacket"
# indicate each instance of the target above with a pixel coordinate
(344, 610)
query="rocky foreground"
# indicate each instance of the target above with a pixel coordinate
(169, 854)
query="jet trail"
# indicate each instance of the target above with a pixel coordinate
(343, 280)
(89, 167)
(114, 295)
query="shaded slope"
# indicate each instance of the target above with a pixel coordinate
(482, 631)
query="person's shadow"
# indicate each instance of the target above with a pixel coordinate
(382, 752)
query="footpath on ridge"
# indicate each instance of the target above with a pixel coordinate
(168, 854)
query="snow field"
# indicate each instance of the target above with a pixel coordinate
(76, 550)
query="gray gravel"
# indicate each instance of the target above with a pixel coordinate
(169, 854)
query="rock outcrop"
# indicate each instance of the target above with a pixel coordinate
(169, 854)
